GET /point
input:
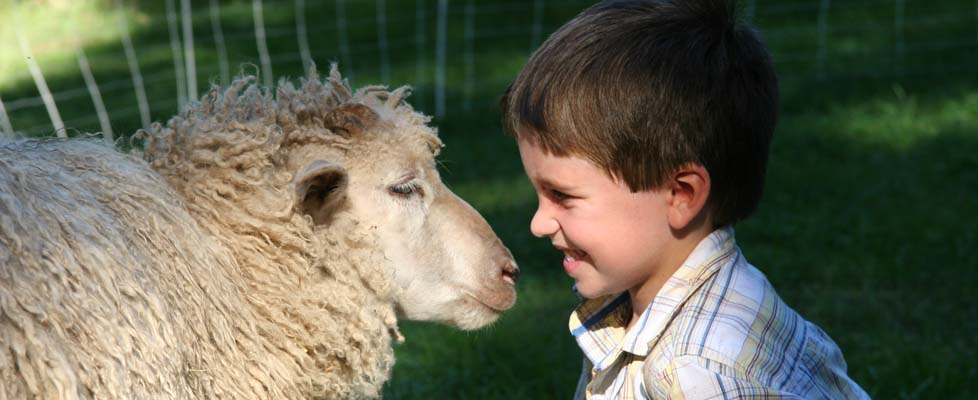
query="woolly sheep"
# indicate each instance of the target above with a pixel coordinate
(259, 246)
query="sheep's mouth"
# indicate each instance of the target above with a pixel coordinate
(499, 301)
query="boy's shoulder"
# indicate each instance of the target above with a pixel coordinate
(736, 326)
(718, 327)
(733, 315)
(716, 306)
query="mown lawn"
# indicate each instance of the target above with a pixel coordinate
(867, 227)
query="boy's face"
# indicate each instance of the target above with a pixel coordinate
(612, 239)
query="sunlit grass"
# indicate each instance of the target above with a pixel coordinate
(54, 29)
(902, 121)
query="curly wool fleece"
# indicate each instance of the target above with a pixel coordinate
(187, 274)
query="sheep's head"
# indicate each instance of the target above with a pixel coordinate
(447, 264)
(364, 160)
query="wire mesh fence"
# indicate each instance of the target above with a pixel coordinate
(474, 48)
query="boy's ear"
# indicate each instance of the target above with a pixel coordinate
(689, 189)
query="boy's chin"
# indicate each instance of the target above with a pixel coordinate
(590, 291)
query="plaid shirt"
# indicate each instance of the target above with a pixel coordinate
(716, 330)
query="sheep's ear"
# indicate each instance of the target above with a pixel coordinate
(320, 190)
(350, 119)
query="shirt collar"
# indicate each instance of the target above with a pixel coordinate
(598, 324)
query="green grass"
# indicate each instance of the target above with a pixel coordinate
(867, 226)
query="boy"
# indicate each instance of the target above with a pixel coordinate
(644, 127)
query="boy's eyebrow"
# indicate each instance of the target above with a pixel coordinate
(545, 182)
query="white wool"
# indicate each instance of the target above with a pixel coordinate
(183, 271)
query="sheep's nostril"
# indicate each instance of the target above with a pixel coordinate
(511, 273)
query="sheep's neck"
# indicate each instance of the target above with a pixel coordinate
(323, 310)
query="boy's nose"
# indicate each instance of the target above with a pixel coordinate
(543, 225)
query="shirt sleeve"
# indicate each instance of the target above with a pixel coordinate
(691, 377)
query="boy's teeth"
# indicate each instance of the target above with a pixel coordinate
(568, 258)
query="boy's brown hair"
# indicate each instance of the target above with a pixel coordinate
(643, 87)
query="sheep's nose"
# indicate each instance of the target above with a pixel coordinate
(510, 272)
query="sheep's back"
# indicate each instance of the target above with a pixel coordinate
(105, 279)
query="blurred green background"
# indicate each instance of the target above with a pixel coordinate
(867, 227)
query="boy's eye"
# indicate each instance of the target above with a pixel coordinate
(559, 196)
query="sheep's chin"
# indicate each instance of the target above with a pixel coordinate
(476, 315)
(464, 312)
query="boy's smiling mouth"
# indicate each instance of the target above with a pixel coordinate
(572, 258)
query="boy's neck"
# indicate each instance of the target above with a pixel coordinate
(685, 241)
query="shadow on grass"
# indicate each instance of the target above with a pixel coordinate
(873, 240)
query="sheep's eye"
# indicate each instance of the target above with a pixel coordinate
(405, 189)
